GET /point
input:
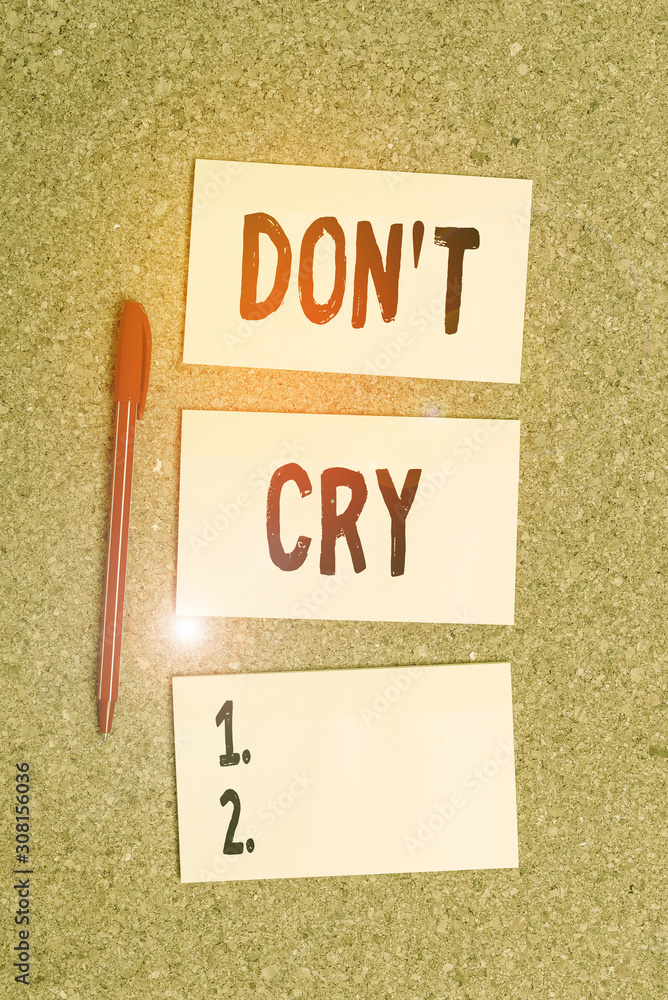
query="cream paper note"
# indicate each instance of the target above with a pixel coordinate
(349, 270)
(251, 545)
(345, 772)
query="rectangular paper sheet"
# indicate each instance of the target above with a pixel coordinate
(460, 532)
(487, 344)
(346, 772)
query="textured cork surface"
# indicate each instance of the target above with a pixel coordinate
(104, 109)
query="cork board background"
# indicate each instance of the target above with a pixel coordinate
(104, 109)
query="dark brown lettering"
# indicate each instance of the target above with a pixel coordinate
(254, 225)
(343, 525)
(398, 507)
(368, 261)
(457, 241)
(285, 560)
(319, 312)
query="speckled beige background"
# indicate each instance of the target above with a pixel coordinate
(104, 109)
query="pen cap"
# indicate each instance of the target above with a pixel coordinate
(134, 357)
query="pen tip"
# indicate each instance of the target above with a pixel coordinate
(104, 736)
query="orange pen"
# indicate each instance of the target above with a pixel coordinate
(132, 370)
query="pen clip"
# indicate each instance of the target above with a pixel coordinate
(146, 363)
(133, 362)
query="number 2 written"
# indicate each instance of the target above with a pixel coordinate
(230, 759)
